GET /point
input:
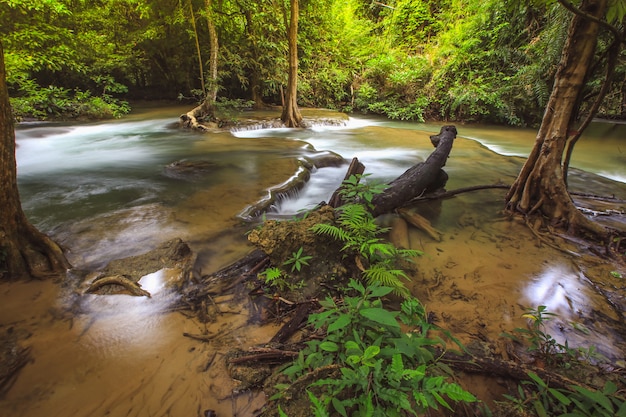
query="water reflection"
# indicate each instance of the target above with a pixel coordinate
(560, 289)
(566, 292)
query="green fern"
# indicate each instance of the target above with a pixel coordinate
(331, 230)
(357, 229)
(383, 274)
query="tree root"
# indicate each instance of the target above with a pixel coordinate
(132, 287)
(190, 119)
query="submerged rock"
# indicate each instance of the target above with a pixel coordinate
(121, 276)
(190, 170)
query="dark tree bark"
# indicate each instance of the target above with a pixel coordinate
(24, 251)
(291, 116)
(540, 186)
(420, 178)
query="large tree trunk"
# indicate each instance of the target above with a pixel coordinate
(291, 116)
(540, 186)
(24, 251)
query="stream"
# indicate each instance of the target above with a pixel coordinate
(104, 191)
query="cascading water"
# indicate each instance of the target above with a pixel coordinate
(107, 190)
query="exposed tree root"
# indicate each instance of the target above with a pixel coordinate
(191, 119)
(132, 287)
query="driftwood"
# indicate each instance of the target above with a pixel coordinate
(420, 178)
(300, 316)
(355, 168)
(265, 355)
(132, 287)
(420, 222)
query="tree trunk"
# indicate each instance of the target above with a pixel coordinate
(24, 251)
(206, 110)
(291, 116)
(211, 95)
(540, 186)
(420, 178)
(195, 32)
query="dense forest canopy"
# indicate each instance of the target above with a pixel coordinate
(467, 60)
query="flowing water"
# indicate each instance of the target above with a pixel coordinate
(104, 191)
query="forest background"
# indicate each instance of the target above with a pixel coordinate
(489, 61)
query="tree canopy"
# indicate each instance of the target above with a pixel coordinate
(466, 60)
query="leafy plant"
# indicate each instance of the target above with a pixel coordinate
(540, 342)
(382, 370)
(297, 260)
(275, 276)
(357, 229)
(576, 401)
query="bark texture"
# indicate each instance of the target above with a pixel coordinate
(24, 251)
(540, 186)
(420, 178)
(291, 116)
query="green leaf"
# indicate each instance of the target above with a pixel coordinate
(329, 346)
(596, 397)
(341, 322)
(353, 347)
(338, 405)
(538, 380)
(371, 352)
(541, 411)
(380, 316)
(380, 291)
(560, 397)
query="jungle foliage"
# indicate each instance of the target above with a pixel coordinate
(465, 60)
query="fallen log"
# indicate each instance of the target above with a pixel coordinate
(421, 178)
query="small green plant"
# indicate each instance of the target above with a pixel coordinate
(297, 260)
(576, 401)
(357, 229)
(276, 277)
(382, 370)
(616, 274)
(357, 189)
(540, 342)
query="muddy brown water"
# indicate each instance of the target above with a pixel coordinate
(100, 189)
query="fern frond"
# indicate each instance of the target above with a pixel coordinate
(353, 215)
(382, 274)
(331, 230)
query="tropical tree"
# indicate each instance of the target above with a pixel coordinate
(291, 116)
(540, 186)
(24, 251)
